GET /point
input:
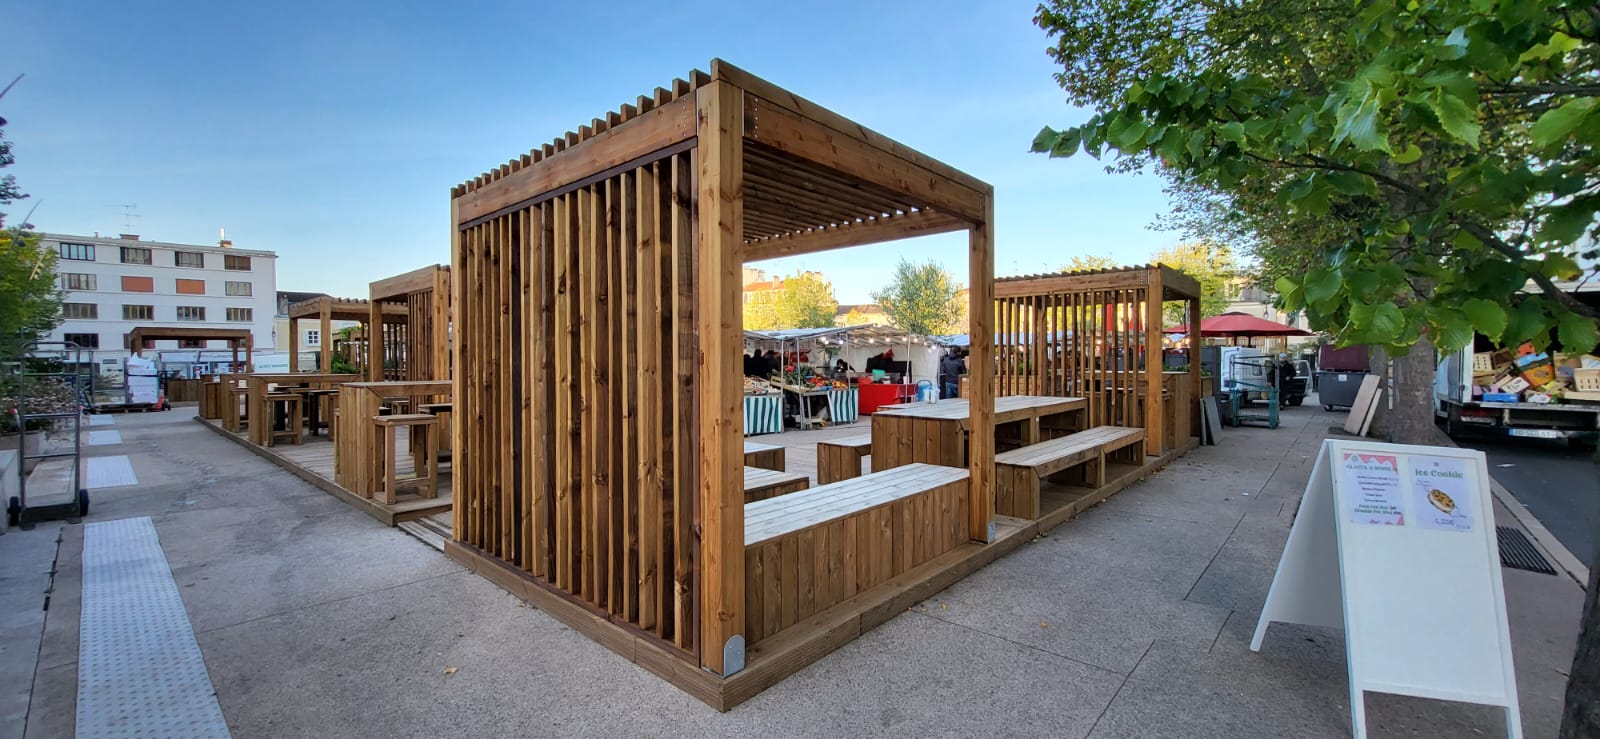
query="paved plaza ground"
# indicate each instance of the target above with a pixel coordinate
(1131, 620)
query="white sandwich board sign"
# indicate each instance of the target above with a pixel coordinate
(1396, 545)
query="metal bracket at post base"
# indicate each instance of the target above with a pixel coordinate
(732, 656)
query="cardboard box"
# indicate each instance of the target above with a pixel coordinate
(1499, 397)
(1539, 374)
(1514, 385)
(1540, 398)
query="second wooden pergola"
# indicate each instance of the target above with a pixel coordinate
(325, 310)
(408, 337)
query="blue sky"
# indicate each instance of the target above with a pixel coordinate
(332, 132)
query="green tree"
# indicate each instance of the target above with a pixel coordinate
(921, 299)
(1424, 162)
(806, 302)
(1212, 265)
(1089, 263)
(760, 316)
(30, 301)
(856, 318)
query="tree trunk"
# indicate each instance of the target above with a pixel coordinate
(1581, 719)
(1411, 421)
(1378, 360)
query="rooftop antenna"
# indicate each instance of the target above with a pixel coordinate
(128, 215)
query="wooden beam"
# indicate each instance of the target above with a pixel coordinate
(1021, 287)
(909, 225)
(661, 127)
(721, 70)
(443, 299)
(1153, 402)
(980, 314)
(1177, 283)
(325, 340)
(374, 368)
(718, 313)
(399, 285)
(294, 344)
(788, 131)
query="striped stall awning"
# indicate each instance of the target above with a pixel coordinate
(763, 414)
(843, 405)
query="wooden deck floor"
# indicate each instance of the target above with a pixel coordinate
(312, 461)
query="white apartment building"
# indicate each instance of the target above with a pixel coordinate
(112, 285)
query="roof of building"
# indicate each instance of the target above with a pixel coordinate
(137, 241)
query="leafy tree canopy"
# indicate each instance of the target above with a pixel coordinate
(30, 302)
(922, 299)
(1213, 266)
(1435, 157)
(805, 301)
(1089, 263)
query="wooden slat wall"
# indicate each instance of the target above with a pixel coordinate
(575, 386)
(1082, 343)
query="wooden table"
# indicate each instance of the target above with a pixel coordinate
(314, 396)
(936, 433)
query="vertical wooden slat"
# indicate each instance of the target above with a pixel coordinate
(980, 445)
(688, 599)
(652, 414)
(564, 430)
(632, 433)
(1154, 433)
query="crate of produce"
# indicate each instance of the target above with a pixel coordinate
(1585, 385)
(1483, 364)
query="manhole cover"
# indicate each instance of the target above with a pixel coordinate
(1518, 553)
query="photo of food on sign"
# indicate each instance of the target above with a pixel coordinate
(1444, 492)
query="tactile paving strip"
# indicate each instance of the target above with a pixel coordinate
(109, 472)
(101, 420)
(102, 438)
(140, 673)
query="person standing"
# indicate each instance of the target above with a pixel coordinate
(951, 368)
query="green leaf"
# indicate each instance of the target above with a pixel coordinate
(1359, 125)
(1577, 333)
(1045, 140)
(1453, 333)
(1560, 267)
(1567, 223)
(1387, 322)
(1558, 44)
(1487, 316)
(1232, 131)
(1321, 284)
(1454, 46)
(1066, 144)
(1555, 125)
(1408, 154)
(1526, 321)
(1456, 117)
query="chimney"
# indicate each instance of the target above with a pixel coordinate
(222, 239)
(128, 237)
(225, 243)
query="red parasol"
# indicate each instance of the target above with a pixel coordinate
(1240, 324)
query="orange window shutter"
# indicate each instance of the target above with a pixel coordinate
(138, 284)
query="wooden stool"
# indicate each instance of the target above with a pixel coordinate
(425, 458)
(290, 403)
(233, 418)
(840, 459)
(331, 403)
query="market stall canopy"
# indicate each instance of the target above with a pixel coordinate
(1240, 325)
(869, 332)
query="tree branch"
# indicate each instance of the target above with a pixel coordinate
(1546, 286)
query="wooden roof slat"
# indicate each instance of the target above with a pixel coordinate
(773, 164)
(920, 223)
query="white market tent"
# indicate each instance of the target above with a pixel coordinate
(854, 344)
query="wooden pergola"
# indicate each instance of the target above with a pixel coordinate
(408, 326)
(598, 336)
(1096, 335)
(236, 337)
(326, 310)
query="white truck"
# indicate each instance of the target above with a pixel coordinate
(1456, 408)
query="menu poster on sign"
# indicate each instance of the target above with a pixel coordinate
(1376, 493)
(1442, 492)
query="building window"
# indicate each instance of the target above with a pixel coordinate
(138, 284)
(77, 281)
(313, 337)
(191, 313)
(240, 289)
(88, 311)
(138, 313)
(191, 343)
(189, 259)
(77, 252)
(236, 263)
(135, 255)
(84, 341)
(191, 287)
(241, 314)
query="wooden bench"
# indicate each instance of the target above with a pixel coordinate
(761, 484)
(840, 459)
(1018, 473)
(424, 457)
(765, 456)
(809, 551)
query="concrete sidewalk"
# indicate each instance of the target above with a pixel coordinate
(1132, 620)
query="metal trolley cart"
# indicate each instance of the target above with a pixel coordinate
(53, 398)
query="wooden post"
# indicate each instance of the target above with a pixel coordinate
(325, 339)
(1196, 384)
(720, 322)
(294, 345)
(458, 392)
(374, 341)
(980, 312)
(440, 338)
(1152, 363)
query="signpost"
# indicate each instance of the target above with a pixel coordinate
(1396, 544)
